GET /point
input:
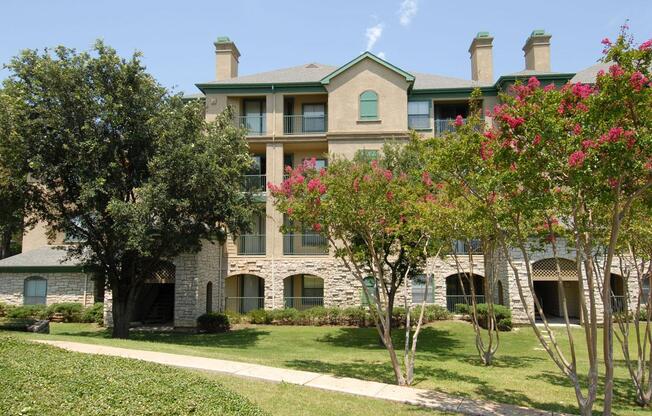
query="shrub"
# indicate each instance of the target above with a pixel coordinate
(288, 316)
(71, 312)
(27, 311)
(462, 309)
(504, 324)
(3, 309)
(431, 313)
(236, 318)
(355, 316)
(259, 316)
(94, 314)
(213, 322)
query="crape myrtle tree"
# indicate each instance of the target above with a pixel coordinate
(468, 186)
(571, 163)
(130, 172)
(14, 189)
(634, 322)
(382, 219)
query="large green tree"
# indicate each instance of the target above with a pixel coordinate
(130, 172)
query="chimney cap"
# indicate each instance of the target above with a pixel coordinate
(538, 32)
(481, 40)
(483, 35)
(224, 43)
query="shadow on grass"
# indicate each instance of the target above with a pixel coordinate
(239, 338)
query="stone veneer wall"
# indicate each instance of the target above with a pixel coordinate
(62, 287)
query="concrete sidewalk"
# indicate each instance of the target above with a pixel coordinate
(408, 395)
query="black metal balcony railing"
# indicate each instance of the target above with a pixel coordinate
(243, 304)
(419, 121)
(255, 183)
(446, 125)
(302, 303)
(251, 244)
(304, 244)
(303, 124)
(618, 303)
(254, 124)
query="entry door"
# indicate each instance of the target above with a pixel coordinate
(250, 293)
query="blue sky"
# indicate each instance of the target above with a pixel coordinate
(432, 36)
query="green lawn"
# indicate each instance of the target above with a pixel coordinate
(523, 373)
(39, 379)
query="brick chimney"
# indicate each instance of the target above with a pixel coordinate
(226, 59)
(537, 51)
(482, 65)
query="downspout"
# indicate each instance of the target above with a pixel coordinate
(273, 239)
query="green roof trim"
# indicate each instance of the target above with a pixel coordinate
(262, 88)
(223, 39)
(367, 55)
(538, 32)
(482, 35)
(562, 77)
(40, 269)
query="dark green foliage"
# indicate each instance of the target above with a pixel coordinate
(27, 311)
(133, 174)
(3, 309)
(42, 380)
(71, 312)
(319, 316)
(462, 309)
(504, 324)
(259, 316)
(94, 314)
(16, 324)
(213, 323)
(502, 314)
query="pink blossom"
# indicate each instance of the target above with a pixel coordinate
(648, 165)
(537, 140)
(588, 144)
(601, 73)
(388, 174)
(549, 87)
(298, 179)
(313, 184)
(613, 182)
(366, 178)
(459, 121)
(425, 178)
(290, 211)
(485, 151)
(616, 71)
(430, 198)
(637, 81)
(645, 45)
(389, 195)
(630, 139)
(582, 90)
(322, 172)
(356, 185)
(321, 189)
(513, 122)
(440, 186)
(606, 42)
(533, 83)
(316, 227)
(490, 135)
(577, 129)
(512, 167)
(288, 169)
(615, 133)
(576, 159)
(374, 164)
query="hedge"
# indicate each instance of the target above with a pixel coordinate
(70, 311)
(319, 316)
(213, 323)
(502, 314)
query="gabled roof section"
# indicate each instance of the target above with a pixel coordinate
(306, 73)
(590, 74)
(367, 55)
(43, 259)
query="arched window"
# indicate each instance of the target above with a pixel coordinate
(369, 105)
(36, 290)
(370, 284)
(209, 297)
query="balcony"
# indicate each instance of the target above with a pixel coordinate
(447, 125)
(255, 183)
(302, 303)
(419, 121)
(304, 124)
(462, 247)
(306, 244)
(254, 124)
(251, 245)
(243, 304)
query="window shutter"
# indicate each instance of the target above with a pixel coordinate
(368, 105)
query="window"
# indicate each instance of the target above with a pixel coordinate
(254, 116)
(419, 115)
(370, 284)
(646, 290)
(36, 289)
(209, 297)
(314, 118)
(419, 289)
(313, 287)
(368, 106)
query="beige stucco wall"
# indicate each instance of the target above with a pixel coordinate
(36, 237)
(343, 99)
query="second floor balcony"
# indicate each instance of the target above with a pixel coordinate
(251, 245)
(255, 125)
(255, 183)
(305, 244)
(305, 124)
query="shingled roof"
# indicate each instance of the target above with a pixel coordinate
(46, 257)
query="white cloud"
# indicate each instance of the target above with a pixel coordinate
(372, 34)
(381, 55)
(407, 11)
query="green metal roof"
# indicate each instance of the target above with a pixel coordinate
(367, 55)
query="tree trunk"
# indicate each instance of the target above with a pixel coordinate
(121, 317)
(5, 244)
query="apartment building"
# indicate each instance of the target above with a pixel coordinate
(313, 111)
